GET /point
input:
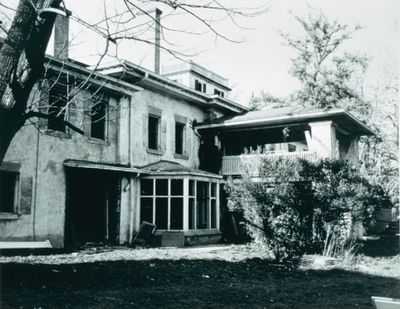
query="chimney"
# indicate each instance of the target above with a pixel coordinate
(61, 36)
(157, 42)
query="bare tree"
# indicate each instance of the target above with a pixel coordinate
(22, 52)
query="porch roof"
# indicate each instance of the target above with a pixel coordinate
(273, 117)
(164, 167)
(160, 168)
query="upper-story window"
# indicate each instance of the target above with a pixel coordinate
(8, 191)
(179, 137)
(58, 99)
(98, 119)
(199, 86)
(219, 92)
(153, 132)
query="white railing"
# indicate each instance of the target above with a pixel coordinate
(233, 165)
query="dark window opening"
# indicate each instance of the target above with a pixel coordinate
(218, 92)
(58, 98)
(146, 209)
(146, 186)
(176, 187)
(291, 148)
(161, 186)
(179, 137)
(153, 132)
(8, 184)
(162, 213)
(176, 213)
(197, 85)
(202, 205)
(98, 120)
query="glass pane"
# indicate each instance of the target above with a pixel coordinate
(213, 189)
(162, 213)
(192, 214)
(191, 187)
(161, 186)
(146, 209)
(176, 186)
(202, 214)
(202, 189)
(213, 214)
(146, 187)
(177, 213)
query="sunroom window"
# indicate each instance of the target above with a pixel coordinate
(179, 203)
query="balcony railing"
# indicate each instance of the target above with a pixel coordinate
(233, 165)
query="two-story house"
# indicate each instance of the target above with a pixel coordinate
(139, 155)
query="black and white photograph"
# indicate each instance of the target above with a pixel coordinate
(199, 154)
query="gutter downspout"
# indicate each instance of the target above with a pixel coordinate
(132, 211)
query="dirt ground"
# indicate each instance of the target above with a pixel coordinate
(202, 277)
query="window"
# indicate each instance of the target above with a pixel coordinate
(218, 92)
(165, 207)
(58, 98)
(162, 202)
(8, 191)
(153, 131)
(199, 86)
(291, 148)
(179, 137)
(98, 120)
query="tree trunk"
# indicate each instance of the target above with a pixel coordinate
(22, 65)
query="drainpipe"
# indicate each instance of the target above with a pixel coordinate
(132, 211)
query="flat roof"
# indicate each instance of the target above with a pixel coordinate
(271, 117)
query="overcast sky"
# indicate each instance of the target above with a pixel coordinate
(262, 62)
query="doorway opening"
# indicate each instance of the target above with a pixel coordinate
(92, 208)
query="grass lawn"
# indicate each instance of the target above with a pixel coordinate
(253, 283)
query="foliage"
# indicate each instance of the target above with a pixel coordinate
(296, 206)
(265, 99)
(327, 79)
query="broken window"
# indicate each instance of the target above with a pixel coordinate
(179, 137)
(98, 120)
(8, 191)
(58, 99)
(153, 132)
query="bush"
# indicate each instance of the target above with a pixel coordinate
(300, 206)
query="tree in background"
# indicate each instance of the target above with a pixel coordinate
(331, 78)
(328, 79)
(265, 99)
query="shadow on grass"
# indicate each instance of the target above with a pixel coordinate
(385, 246)
(187, 284)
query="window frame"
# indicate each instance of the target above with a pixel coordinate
(58, 87)
(17, 187)
(157, 138)
(186, 196)
(182, 138)
(105, 118)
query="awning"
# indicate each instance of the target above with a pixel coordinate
(159, 168)
(101, 166)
